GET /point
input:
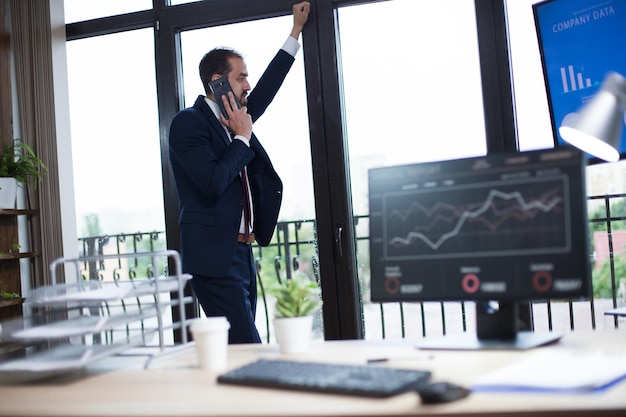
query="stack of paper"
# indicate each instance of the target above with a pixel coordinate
(558, 371)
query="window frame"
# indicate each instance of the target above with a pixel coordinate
(335, 234)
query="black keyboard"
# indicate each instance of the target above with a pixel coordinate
(362, 380)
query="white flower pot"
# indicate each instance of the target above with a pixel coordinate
(8, 192)
(293, 334)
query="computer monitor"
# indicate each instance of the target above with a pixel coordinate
(580, 41)
(509, 227)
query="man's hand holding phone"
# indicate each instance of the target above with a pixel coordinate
(233, 115)
(238, 120)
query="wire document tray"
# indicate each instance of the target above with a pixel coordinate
(68, 325)
(360, 380)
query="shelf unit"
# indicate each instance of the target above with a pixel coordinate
(69, 325)
(10, 260)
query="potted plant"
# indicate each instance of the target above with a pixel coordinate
(18, 164)
(9, 298)
(296, 301)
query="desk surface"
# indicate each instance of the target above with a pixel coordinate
(175, 386)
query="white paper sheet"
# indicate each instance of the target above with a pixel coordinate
(557, 370)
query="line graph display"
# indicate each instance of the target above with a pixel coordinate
(506, 226)
(479, 219)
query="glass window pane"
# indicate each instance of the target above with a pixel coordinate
(410, 96)
(535, 132)
(408, 99)
(284, 128)
(284, 131)
(78, 10)
(115, 134)
(531, 103)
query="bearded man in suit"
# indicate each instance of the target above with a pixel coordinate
(229, 193)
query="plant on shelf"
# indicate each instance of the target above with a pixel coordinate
(15, 249)
(296, 301)
(8, 295)
(18, 164)
(19, 161)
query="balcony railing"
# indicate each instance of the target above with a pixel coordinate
(294, 251)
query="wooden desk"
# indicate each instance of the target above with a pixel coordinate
(175, 386)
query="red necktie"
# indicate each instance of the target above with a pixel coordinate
(246, 204)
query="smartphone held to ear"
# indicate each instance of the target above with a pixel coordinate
(220, 87)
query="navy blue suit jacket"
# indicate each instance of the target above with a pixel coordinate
(206, 167)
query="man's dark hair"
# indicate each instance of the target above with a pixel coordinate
(216, 62)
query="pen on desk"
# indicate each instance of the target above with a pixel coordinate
(377, 360)
(403, 358)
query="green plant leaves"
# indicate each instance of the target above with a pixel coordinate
(19, 161)
(9, 295)
(296, 297)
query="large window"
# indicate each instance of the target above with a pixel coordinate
(115, 134)
(531, 104)
(409, 83)
(77, 10)
(410, 95)
(603, 180)
(283, 129)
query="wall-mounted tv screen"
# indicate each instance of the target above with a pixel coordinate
(580, 42)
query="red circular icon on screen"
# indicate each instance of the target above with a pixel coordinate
(542, 281)
(392, 285)
(470, 283)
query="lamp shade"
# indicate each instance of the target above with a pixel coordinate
(597, 128)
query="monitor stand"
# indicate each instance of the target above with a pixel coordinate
(496, 329)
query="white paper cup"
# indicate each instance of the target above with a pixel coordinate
(211, 337)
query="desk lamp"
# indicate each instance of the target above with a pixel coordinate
(597, 128)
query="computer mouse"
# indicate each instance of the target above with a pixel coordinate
(441, 392)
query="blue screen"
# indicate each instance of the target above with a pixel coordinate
(580, 42)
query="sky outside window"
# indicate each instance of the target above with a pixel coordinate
(284, 128)
(115, 134)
